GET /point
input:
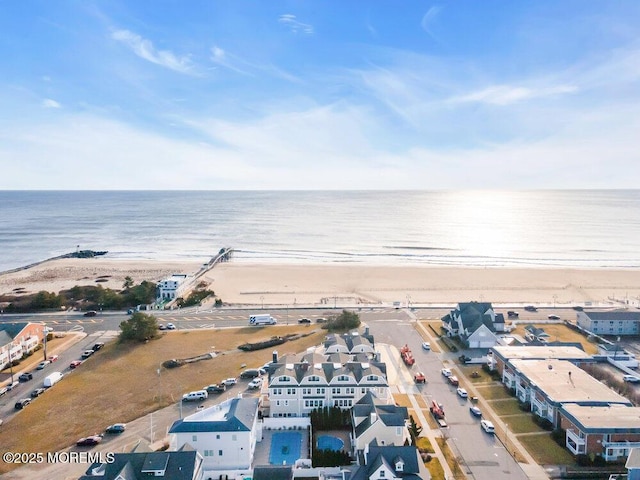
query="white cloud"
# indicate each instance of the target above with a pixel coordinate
(429, 18)
(508, 94)
(294, 25)
(49, 103)
(144, 49)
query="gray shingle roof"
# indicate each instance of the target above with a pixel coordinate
(180, 465)
(613, 315)
(239, 418)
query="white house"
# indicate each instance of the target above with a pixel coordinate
(299, 384)
(373, 419)
(350, 343)
(467, 318)
(620, 322)
(225, 435)
(388, 462)
(172, 287)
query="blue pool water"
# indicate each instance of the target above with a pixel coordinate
(285, 448)
(329, 442)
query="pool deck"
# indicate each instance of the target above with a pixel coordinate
(261, 456)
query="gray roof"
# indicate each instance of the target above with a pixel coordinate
(473, 315)
(179, 465)
(389, 455)
(273, 472)
(239, 418)
(11, 330)
(307, 365)
(613, 315)
(348, 340)
(389, 415)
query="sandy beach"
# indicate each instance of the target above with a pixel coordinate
(294, 284)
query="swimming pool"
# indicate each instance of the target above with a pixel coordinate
(329, 442)
(285, 448)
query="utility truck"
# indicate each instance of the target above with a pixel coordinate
(265, 319)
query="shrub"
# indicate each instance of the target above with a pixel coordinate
(345, 321)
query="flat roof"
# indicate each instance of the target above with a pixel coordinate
(614, 315)
(540, 352)
(561, 381)
(615, 416)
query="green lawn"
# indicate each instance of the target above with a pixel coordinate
(545, 450)
(522, 424)
(506, 407)
(493, 391)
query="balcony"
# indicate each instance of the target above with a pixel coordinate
(575, 444)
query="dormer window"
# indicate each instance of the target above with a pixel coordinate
(399, 466)
(314, 378)
(343, 378)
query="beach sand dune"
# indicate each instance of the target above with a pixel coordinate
(295, 284)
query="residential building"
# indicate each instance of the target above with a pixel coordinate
(372, 419)
(225, 435)
(499, 356)
(300, 383)
(617, 322)
(185, 464)
(535, 333)
(18, 339)
(349, 343)
(610, 431)
(549, 384)
(172, 287)
(475, 323)
(389, 462)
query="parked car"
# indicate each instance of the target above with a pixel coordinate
(255, 383)
(87, 353)
(250, 373)
(304, 320)
(487, 426)
(89, 441)
(475, 411)
(462, 393)
(37, 392)
(464, 358)
(512, 314)
(3, 390)
(426, 346)
(97, 346)
(230, 381)
(75, 364)
(23, 402)
(53, 358)
(12, 385)
(195, 396)
(43, 364)
(419, 377)
(25, 377)
(116, 428)
(553, 317)
(171, 326)
(162, 327)
(530, 308)
(631, 379)
(446, 372)
(90, 313)
(215, 388)
(453, 380)
(321, 320)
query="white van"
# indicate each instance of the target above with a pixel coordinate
(195, 396)
(262, 320)
(51, 379)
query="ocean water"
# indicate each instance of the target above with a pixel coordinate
(470, 228)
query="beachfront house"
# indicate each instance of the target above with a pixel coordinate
(387, 462)
(372, 419)
(172, 287)
(185, 464)
(18, 339)
(225, 435)
(299, 384)
(475, 323)
(617, 322)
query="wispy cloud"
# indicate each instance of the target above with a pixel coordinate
(220, 57)
(233, 62)
(144, 49)
(508, 94)
(294, 25)
(427, 20)
(49, 103)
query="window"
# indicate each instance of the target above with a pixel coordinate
(382, 474)
(372, 378)
(314, 378)
(220, 452)
(306, 391)
(234, 437)
(343, 378)
(194, 438)
(320, 391)
(291, 391)
(285, 379)
(277, 391)
(208, 453)
(335, 390)
(218, 437)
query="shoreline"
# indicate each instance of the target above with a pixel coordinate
(267, 283)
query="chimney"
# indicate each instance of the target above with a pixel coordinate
(374, 417)
(366, 330)
(275, 356)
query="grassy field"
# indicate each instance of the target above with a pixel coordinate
(425, 444)
(450, 458)
(506, 407)
(522, 424)
(562, 333)
(483, 377)
(120, 383)
(493, 392)
(545, 450)
(435, 469)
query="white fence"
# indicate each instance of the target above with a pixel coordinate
(285, 423)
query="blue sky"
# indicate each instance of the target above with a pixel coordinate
(338, 94)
